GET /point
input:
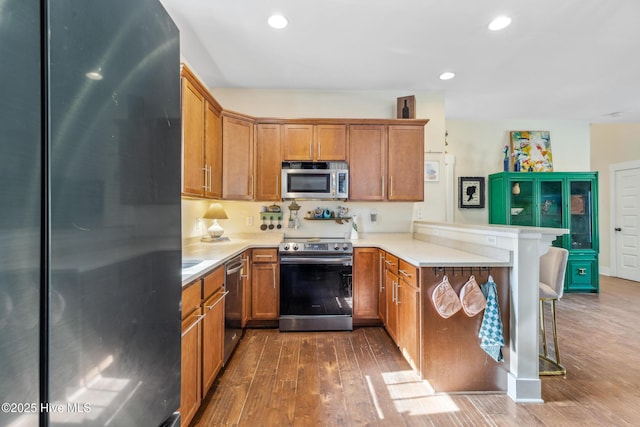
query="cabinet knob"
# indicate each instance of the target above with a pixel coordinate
(618, 229)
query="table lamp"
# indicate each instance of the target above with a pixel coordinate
(215, 212)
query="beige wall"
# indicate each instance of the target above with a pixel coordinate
(477, 147)
(610, 144)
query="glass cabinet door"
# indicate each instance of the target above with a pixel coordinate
(580, 219)
(522, 203)
(551, 204)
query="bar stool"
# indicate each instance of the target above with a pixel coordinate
(553, 266)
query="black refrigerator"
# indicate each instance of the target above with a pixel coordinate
(90, 245)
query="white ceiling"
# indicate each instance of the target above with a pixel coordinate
(559, 59)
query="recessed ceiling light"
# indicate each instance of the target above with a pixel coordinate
(447, 75)
(94, 75)
(278, 21)
(499, 23)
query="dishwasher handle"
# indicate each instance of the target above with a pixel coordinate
(233, 266)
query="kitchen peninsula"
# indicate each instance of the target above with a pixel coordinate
(440, 248)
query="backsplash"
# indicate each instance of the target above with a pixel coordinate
(390, 218)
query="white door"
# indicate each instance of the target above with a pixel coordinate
(626, 225)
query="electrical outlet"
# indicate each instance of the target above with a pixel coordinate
(419, 213)
(199, 225)
(249, 221)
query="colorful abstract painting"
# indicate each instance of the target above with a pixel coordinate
(532, 150)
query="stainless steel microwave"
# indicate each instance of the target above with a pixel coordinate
(315, 180)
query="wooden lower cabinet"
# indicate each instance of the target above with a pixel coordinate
(452, 360)
(212, 339)
(265, 284)
(382, 289)
(191, 365)
(202, 340)
(365, 284)
(408, 304)
(402, 320)
(246, 287)
(391, 285)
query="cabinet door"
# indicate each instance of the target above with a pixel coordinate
(268, 160)
(406, 163)
(582, 274)
(264, 291)
(365, 283)
(581, 216)
(331, 142)
(212, 339)
(382, 289)
(237, 166)
(367, 162)
(298, 142)
(190, 379)
(246, 286)
(391, 285)
(523, 209)
(213, 151)
(193, 173)
(408, 301)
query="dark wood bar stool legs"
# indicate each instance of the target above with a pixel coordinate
(553, 266)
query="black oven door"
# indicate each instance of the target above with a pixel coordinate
(315, 293)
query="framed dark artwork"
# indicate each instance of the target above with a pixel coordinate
(407, 107)
(471, 192)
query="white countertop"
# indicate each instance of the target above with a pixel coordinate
(424, 254)
(402, 245)
(216, 254)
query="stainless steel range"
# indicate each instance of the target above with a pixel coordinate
(316, 285)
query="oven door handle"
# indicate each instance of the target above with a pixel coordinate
(317, 260)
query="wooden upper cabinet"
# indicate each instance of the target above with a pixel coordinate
(308, 142)
(213, 151)
(367, 162)
(406, 163)
(331, 143)
(193, 174)
(268, 160)
(237, 157)
(298, 142)
(201, 139)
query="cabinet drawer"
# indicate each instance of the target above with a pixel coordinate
(191, 298)
(391, 263)
(582, 275)
(408, 273)
(264, 255)
(213, 281)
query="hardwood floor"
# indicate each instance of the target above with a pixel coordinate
(359, 378)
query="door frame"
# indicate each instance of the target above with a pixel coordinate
(613, 169)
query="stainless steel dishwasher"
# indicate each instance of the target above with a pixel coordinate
(233, 306)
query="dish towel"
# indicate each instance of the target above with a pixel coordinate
(491, 338)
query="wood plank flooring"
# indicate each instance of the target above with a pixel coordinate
(359, 378)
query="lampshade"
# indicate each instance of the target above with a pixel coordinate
(215, 211)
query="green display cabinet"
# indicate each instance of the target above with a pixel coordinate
(559, 200)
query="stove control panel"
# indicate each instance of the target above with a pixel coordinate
(316, 247)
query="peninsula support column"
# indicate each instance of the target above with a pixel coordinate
(523, 383)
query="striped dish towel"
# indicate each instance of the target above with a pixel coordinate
(491, 338)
